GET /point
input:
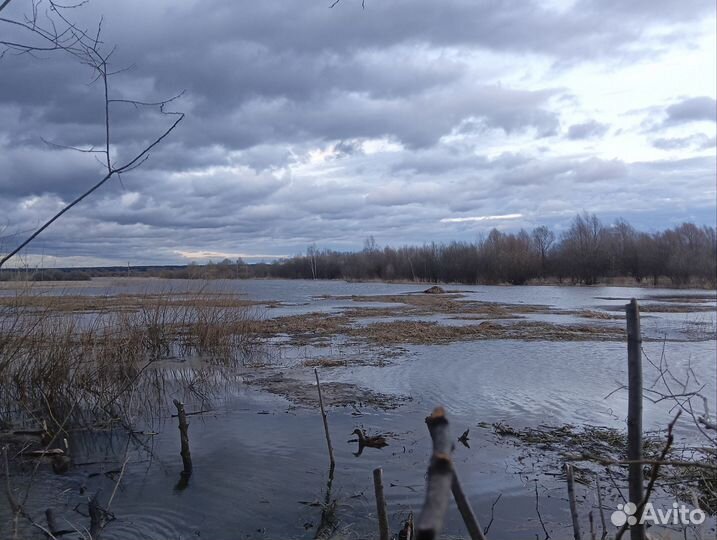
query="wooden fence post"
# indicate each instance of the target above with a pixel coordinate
(634, 412)
(380, 504)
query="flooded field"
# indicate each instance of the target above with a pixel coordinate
(387, 354)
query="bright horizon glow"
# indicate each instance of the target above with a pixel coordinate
(481, 218)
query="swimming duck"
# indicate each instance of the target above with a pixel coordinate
(60, 463)
(374, 441)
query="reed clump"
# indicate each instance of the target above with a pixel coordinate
(111, 367)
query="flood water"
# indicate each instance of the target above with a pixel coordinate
(260, 461)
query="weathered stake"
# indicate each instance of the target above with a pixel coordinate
(571, 498)
(634, 411)
(184, 437)
(326, 422)
(440, 478)
(380, 504)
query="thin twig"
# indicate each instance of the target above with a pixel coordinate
(492, 508)
(537, 511)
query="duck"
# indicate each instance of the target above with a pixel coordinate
(60, 463)
(463, 439)
(374, 441)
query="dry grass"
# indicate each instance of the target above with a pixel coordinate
(304, 329)
(324, 362)
(684, 298)
(315, 328)
(676, 308)
(63, 369)
(424, 333)
(123, 302)
(599, 315)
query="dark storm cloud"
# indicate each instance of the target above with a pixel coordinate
(27, 171)
(587, 130)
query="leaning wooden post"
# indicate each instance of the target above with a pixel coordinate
(464, 507)
(326, 422)
(634, 412)
(380, 504)
(184, 437)
(571, 499)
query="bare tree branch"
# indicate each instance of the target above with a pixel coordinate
(4, 4)
(87, 49)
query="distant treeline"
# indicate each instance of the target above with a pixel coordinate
(51, 274)
(586, 253)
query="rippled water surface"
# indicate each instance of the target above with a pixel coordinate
(261, 466)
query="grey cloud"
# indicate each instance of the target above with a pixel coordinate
(692, 110)
(27, 171)
(598, 170)
(402, 193)
(587, 130)
(558, 171)
(533, 172)
(699, 141)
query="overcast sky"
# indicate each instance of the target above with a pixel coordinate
(408, 120)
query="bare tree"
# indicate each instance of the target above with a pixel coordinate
(50, 28)
(543, 239)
